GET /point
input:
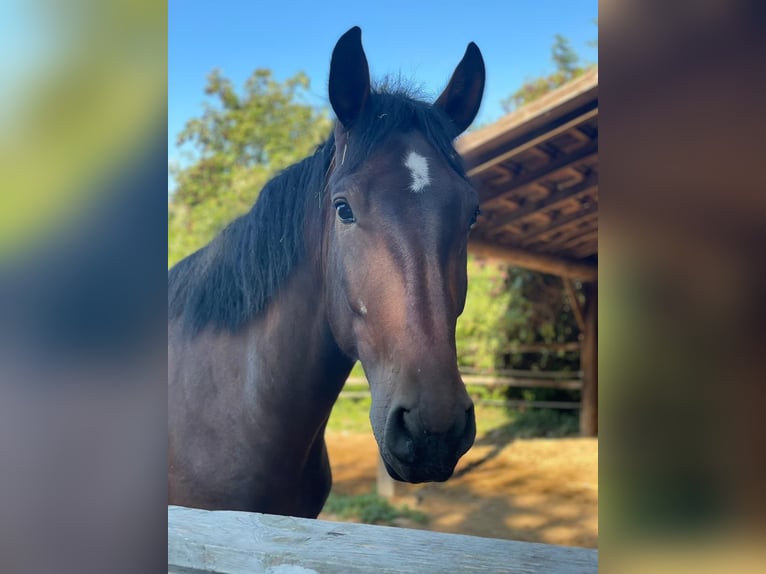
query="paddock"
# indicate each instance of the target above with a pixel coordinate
(221, 542)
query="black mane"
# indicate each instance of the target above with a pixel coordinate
(232, 279)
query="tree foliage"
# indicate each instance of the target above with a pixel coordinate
(485, 326)
(508, 305)
(239, 143)
(568, 66)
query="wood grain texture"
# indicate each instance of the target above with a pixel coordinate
(242, 542)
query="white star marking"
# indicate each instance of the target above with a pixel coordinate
(418, 166)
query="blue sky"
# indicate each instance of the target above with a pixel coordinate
(422, 40)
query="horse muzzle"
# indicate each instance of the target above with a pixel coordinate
(412, 452)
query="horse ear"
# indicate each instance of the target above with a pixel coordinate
(349, 78)
(462, 96)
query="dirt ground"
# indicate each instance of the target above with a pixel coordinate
(537, 490)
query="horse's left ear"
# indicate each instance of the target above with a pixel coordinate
(349, 78)
(462, 96)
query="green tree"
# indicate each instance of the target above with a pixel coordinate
(485, 326)
(568, 67)
(239, 143)
(566, 59)
(508, 305)
(594, 43)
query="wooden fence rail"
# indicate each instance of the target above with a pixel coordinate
(524, 374)
(219, 542)
(507, 378)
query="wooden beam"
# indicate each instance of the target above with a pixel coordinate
(500, 377)
(543, 137)
(564, 161)
(525, 373)
(569, 242)
(531, 117)
(589, 363)
(514, 403)
(579, 134)
(384, 479)
(534, 261)
(580, 216)
(589, 234)
(554, 200)
(542, 347)
(574, 302)
(514, 383)
(215, 542)
(584, 250)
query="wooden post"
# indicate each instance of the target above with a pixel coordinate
(589, 363)
(386, 484)
(574, 302)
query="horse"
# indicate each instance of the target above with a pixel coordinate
(358, 252)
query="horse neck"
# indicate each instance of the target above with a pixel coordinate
(300, 344)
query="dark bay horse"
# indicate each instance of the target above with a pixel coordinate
(356, 253)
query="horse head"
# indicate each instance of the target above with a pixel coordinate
(399, 209)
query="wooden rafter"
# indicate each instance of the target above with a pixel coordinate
(585, 250)
(576, 239)
(560, 163)
(570, 238)
(553, 201)
(576, 119)
(559, 223)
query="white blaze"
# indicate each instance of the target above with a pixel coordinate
(418, 166)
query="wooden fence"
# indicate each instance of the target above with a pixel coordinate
(219, 542)
(357, 387)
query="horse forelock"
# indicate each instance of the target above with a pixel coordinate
(393, 110)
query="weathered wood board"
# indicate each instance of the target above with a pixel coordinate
(240, 542)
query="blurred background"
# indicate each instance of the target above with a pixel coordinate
(83, 166)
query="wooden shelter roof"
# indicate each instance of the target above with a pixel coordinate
(536, 170)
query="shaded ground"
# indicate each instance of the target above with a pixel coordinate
(538, 490)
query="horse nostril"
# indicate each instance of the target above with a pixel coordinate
(398, 436)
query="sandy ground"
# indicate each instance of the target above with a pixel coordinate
(538, 490)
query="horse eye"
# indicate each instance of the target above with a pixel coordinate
(475, 217)
(344, 212)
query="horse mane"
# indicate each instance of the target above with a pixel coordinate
(233, 278)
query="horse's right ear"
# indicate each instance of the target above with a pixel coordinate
(349, 78)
